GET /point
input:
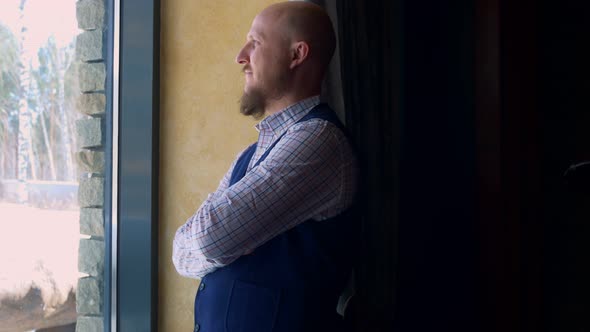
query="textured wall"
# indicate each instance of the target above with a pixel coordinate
(201, 130)
(90, 131)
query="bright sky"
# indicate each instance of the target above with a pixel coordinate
(42, 18)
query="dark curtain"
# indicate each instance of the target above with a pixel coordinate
(369, 41)
(408, 88)
(465, 115)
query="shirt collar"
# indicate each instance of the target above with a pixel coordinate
(279, 122)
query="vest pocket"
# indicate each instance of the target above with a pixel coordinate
(251, 308)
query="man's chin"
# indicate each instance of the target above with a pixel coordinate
(252, 104)
(248, 89)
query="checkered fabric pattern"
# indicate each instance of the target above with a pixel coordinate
(310, 174)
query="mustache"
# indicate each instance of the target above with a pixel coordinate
(246, 68)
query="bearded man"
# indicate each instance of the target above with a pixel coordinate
(273, 244)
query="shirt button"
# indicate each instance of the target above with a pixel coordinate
(201, 286)
(197, 328)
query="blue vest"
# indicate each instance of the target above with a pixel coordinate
(291, 283)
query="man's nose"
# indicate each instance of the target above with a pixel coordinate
(242, 57)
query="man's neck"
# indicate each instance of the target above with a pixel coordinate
(275, 106)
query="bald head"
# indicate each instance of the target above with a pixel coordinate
(285, 57)
(307, 22)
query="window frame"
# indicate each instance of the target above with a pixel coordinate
(131, 186)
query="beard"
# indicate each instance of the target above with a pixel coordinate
(253, 104)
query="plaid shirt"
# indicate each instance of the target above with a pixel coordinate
(311, 173)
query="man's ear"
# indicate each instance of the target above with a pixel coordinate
(299, 52)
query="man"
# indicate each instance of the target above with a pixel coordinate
(273, 243)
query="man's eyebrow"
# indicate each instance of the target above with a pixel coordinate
(255, 36)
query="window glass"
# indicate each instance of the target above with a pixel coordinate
(39, 176)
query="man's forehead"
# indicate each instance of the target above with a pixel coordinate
(256, 32)
(261, 27)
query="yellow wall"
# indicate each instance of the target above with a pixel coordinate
(201, 130)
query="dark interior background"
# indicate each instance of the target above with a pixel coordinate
(466, 115)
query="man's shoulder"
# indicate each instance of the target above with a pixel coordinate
(321, 119)
(316, 133)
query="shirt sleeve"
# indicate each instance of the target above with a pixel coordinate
(301, 178)
(187, 262)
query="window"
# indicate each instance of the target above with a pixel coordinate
(98, 167)
(39, 212)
